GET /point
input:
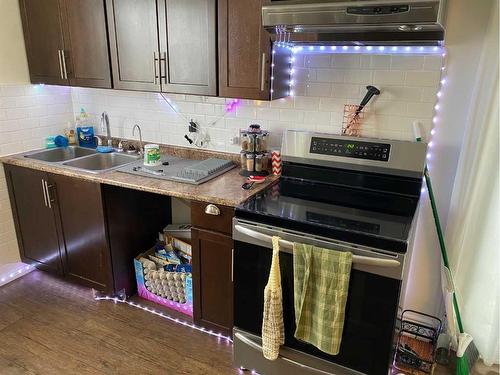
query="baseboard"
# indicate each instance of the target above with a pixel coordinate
(12, 271)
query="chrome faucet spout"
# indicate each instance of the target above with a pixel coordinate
(106, 128)
(141, 144)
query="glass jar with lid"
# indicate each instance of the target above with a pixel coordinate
(258, 162)
(250, 162)
(243, 160)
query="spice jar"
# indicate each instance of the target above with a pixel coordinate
(258, 143)
(258, 163)
(251, 143)
(265, 137)
(254, 128)
(244, 141)
(250, 162)
(265, 162)
(243, 159)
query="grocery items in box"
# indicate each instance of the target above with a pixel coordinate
(163, 275)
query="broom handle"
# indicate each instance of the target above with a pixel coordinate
(441, 242)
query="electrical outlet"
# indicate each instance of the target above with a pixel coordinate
(193, 126)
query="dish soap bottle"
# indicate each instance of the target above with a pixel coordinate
(69, 133)
(85, 131)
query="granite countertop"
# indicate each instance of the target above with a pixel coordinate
(224, 190)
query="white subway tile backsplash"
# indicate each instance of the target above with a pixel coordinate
(347, 91)
(407, 62)
(382, 62)
(430, 79)
(292, 115)
(358, 76)
(24, 125)
(318, 61)
(433, 62)
(246, 112)
(319, 89)
(420, 110)
(384, 77)
(268, 114)
(329, 75)
(323, 84)
(346, 61)
(317, 118)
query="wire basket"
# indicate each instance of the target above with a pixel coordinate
(352, 120)
(416, 346)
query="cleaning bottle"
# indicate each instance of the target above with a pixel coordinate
(85, 131)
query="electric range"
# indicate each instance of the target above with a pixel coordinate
(340, 193)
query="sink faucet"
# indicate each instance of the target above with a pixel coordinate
(105, 127)
(141, 144)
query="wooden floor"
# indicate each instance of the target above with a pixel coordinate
(48, 326)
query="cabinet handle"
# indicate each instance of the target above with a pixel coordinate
(49, 200)
(163, 70)
(263, 72)
(60, 63)
(232, 265)
(212, 209)
(44, 193)
(63, 58)
(156, 67)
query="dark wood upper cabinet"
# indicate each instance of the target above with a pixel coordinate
(86, 43)
(86, 255)
(163, 45)
(245, 54)
(66, 42)
(34, 217)
(188, 46)
(134, 44)
(42, 26)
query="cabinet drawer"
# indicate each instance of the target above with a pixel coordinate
(212, 216)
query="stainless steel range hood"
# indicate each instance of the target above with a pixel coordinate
(359, 22)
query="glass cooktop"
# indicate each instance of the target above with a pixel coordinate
(367, 217)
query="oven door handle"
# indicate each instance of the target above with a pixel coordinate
(288, 248)
(248, 341)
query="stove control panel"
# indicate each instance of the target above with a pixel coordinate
(350, 148)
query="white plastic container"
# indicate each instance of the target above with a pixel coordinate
(151, 155)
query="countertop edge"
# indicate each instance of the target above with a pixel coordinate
(109, 178)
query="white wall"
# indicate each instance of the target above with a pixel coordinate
(325, 82)
(466, 29)
(13, 64)
(28, 113)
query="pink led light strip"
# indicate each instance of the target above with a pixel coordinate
(219, 336)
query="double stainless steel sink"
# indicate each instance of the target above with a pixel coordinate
(81, 158)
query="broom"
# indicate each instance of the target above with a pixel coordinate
(467, 353)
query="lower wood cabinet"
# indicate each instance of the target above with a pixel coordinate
(212, 266)
(85, 254)
(212, 280)
(34, 218)
(85, 231)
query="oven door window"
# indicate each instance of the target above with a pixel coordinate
(370, 312)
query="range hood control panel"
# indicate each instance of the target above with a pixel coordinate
(350, 148)
(376, 10)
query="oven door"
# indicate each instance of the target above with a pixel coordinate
(371, 309)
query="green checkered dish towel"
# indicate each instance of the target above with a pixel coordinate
(321, 283)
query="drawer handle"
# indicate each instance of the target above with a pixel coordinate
(212, 209)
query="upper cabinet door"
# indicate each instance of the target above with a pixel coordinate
(133, 38)
(85, 43)
(188, 46)
(42, 26)
(244, 50)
